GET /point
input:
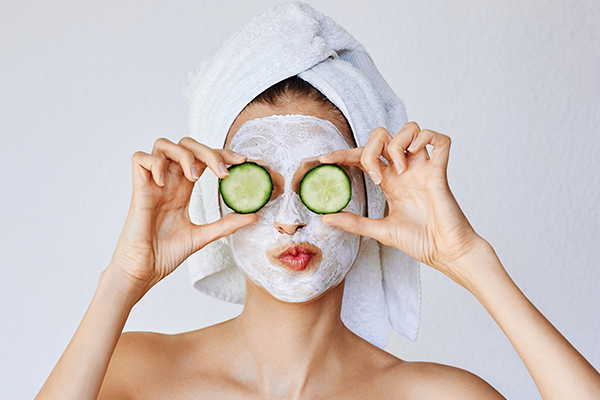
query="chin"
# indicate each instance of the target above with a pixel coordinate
(293, 298)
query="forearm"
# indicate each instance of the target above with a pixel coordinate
(558, 370)
(81, 369)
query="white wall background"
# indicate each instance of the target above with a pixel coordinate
(83, 85)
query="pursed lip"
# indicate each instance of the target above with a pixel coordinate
(296, 257)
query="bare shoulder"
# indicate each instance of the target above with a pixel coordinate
(141, 361)
(154, 365)
(384, 376)
(426, 380)
(129, 364)
(148, 345)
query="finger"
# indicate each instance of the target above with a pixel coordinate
(344, 157)
(205, 234)
(148, 167)
(215, 159)
(228, 156)
(354, 224)
(400, 143)
(375, 148)
(167, 149)
(441, 146)
(347, 157)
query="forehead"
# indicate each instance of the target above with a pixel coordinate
(254, 111)
(286, 140)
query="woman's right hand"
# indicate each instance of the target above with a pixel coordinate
(158, 234)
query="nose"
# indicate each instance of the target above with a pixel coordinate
(290, 218)
(287, 229)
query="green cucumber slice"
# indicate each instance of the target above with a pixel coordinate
(247, 188)
(325, 189)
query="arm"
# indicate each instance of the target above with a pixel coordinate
(157, 237)
(558, 370)
(80, 370)
(426, 223)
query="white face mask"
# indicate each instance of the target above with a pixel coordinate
(281, 143)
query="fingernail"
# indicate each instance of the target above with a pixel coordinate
(238, 155)
(413, 145)
(223, 169)
(398, 167)
(375, 177)
(195, 172)
(162, 179)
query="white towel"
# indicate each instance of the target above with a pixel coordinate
(293, 39)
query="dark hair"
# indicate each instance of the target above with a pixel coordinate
(294, 89)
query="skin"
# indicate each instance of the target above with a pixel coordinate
(289, 350)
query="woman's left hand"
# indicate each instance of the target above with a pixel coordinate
(424, 219)
(426, 223)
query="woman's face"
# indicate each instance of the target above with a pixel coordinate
(289, 251)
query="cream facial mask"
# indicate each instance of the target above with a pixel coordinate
(282, 143)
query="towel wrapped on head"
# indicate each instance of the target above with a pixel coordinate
(288, 40)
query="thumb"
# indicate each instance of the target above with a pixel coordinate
(354, 224)
(205, 234)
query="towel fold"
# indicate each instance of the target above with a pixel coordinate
(292, 39)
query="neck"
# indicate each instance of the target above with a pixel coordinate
(283, 345)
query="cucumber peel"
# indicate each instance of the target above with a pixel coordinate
(325, 189)
(247, 188)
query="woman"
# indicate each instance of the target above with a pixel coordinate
(301, 349)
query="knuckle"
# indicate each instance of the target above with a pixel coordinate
(185, 140)
(393, 146)
(221, 154)
(159, 163)
(189, 143)
(397, 143)
(380, 135)
(413, 125)
(137, 155)
(426, 134)
(379, 131)
(160, 143)
(215, 156)
(188, 156)
(364, 160)
(444, 139)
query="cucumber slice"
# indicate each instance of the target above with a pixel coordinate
(325, 189)
(247, 188)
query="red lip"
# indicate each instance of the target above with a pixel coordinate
(296, 257)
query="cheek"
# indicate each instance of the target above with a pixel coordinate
(338, 246)
(358, 202)
(323, 233)
(246, 239)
